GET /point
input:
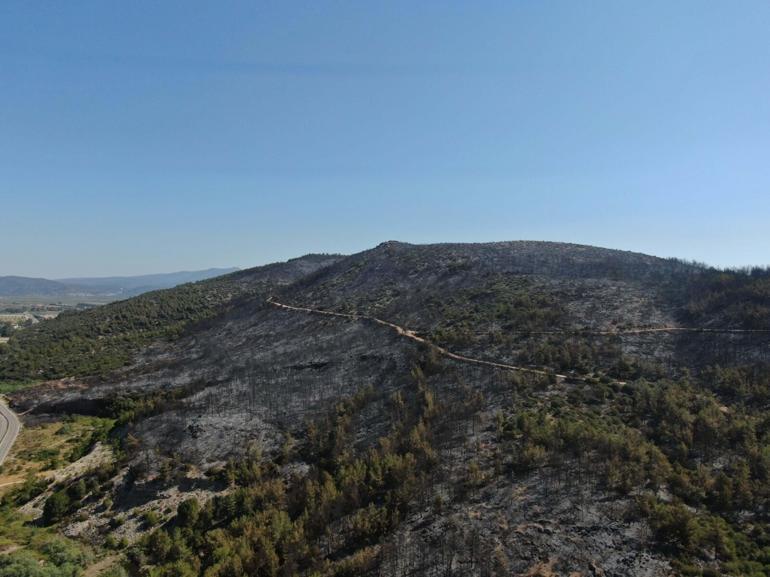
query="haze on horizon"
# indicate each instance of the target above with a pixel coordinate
(142, 138)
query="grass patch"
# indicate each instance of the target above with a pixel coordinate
(34, 551)
(9, 387)
(27, 548)
(43, 448)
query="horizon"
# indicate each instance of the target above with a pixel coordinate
(285, 130)
(233, 269)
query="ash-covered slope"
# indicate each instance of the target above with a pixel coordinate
(527, 301)
(551, 305)
(399, 279)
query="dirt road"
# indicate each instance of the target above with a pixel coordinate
(409, 334)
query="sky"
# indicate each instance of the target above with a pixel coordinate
(140, 137)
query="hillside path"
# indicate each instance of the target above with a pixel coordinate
(409, 334)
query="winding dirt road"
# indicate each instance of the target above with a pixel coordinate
(9, 430)
(409, 334)
(406, 333)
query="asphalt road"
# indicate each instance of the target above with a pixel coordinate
(9, 429)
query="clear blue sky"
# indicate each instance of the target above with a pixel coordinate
(154, 136)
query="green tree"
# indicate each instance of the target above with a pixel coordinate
(187, 512)
(56, 506)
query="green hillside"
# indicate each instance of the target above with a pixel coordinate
(96, 341)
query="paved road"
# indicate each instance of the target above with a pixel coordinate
(9, 429)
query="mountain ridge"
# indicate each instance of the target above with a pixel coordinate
(115, 286)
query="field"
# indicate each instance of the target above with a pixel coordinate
(24, 311)
(62, 301)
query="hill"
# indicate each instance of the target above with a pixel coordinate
(514, 408)
(95, 341)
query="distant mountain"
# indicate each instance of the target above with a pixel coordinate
(134, 285)
(118, 287)
(18, 286)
